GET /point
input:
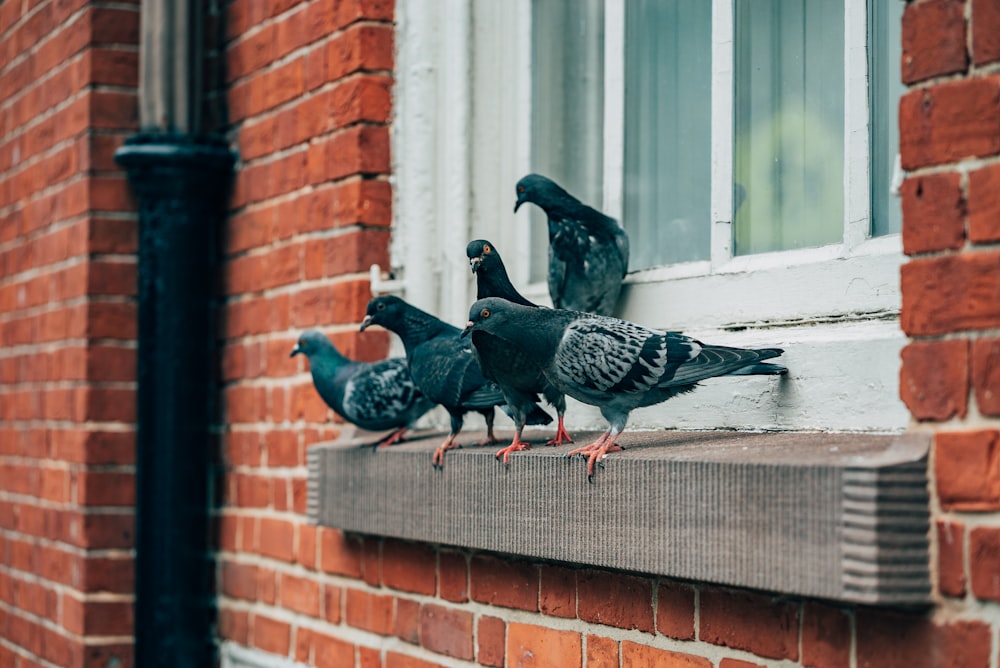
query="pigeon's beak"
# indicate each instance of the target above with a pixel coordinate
(474, 263)
(365, 323)
(295, 351)
(517, 204)
(468, 328)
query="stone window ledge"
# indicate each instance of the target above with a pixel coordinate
(837, 516)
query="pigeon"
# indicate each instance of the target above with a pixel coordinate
(610, 363)
(372, 395)
(520, 381)
(588, 251)
(441, 364)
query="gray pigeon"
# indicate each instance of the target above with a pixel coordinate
(588, 251)
(519, 379)
(372, 395)
(441, 363)
(613, 364)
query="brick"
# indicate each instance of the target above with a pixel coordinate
(558, 591)
(985, 31)
(267, 585)
(105, 488)
(360, 48)
(984, 563)
(675, 610)
(951, 558)
(949, 121)
(408, 567)
(371, 560)
(453, 576)
(967, 469)
(736, 663)
(635, 655)
(894, 640)
(305, 553)
(934, 210)
(277, 539)
(984, 204)
(371, 612)
(826, 636)
(329, 652)
(446, 631)
(239, 580)
(332, 595)
(530, 646)
(986, 375)
(406, 624)
(299, 594)
(933, 36)
(756, 623)
(369, 657)
(509, 584)
(234, 625)
(934, 378)
(394, 660)
(601, 652)
(615, 599)
(490, 636)
(270, 635)
(951, 293)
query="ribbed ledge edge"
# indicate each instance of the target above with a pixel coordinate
(843, 517)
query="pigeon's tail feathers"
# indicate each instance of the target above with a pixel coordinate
(537, 416)
(761, 369)
(720, 361)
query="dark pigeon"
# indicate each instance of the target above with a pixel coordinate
(519, 379)
(588, 251)
(613, 364)
(372, 395)
(441, 363)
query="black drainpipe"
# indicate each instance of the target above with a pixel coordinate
(182, 181)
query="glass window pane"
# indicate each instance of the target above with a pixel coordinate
(884, 55)
(567, 114)
(789, 124)
(668, 116)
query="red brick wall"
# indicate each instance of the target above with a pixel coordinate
(67, 333)
(309, 93)
(950, 378)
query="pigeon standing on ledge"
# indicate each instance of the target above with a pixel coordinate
(613, 364)
(588, 251)
(441, 364)
(372, 395)
(520, 380)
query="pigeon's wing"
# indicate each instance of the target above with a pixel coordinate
(718, 361)
(598, 355)
(380, 394)
(446, 371)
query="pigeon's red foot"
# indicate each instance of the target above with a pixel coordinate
(392, 439)
(561, 435)
(516, 445)
(596, 451)
(449, 444)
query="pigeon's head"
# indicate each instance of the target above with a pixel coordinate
(538, 189)
(483, 256)
(382, 310)
(310, 343)
(490, 315)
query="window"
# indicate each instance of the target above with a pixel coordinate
(747, 145)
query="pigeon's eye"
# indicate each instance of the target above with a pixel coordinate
(487, 249)
(520, 189)
(380, 307)
(485, 313)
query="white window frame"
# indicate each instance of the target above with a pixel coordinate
(461, 139)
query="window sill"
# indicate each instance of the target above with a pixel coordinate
(836, 516)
